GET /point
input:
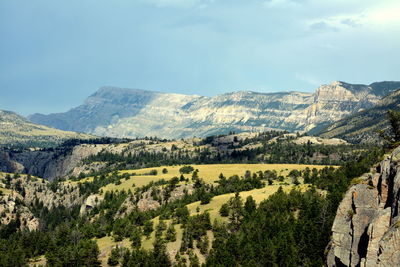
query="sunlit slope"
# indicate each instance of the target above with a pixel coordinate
(209, 173)
(17, 131)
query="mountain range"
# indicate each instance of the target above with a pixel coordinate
(16, 130)
(362, 127)
(120, 112)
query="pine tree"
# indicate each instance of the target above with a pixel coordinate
(113, 260)
(249, 206)
(171, 233)
(136, 238)
(236, 211)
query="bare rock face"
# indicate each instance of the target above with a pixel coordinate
(90, 202)
(363, 126)
(366, 230)
(121, 112)
(12, 208)
(146, 202)
(31, 189)
(9, 165)
(21, 193)
(51, 164)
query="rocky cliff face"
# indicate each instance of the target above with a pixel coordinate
(366, 230)
(50, 164)
(362, 127)
(63, 161)
(135, 113)
(18, 194)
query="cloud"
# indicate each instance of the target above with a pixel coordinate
(322, 26)
(194, 46)
(179, 3)
(280, 4)
(383, 14)
(350, 22)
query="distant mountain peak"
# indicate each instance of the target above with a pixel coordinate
(16, 130)
(118, 90)
(121, 112)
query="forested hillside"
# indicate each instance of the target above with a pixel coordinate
(161, 203)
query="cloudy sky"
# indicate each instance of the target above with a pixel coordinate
(54, 53)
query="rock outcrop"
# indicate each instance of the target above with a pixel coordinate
(366, 230)
(362, 127)
(31, 189)
(19, 193)
(53, 163)
(12, 209)
(136, 113)
(90, 202)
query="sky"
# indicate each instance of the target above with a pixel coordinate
(55, 53)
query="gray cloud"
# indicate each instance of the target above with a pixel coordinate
(55, 54)
(322, 26)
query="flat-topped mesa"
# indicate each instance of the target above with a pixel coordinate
(109, 94)
(341, 91)
(366, 229)
(119, 112)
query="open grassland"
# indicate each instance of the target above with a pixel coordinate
(258, 195)
(106, 244)
(213, 208)
(209, 173)
(16, 130)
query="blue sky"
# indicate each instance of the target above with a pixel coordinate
(53, 53)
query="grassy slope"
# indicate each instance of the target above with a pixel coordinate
(210, 174)
(15, 129)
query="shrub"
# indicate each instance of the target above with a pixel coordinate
(153, 172)
(224, 210)
(186, 169)
(205, 198)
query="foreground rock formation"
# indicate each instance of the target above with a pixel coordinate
(121, 112)
(366, 230)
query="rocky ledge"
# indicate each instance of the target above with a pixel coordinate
(366, 230)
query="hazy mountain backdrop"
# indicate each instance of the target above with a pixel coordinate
(119, 112)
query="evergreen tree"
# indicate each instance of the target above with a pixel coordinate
(249, 206)
(171, 233)
(236, 211)
(136, 237)
(224, 210)
(113, 260)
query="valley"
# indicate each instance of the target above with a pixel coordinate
(167, 200)
(199, 133)
(264, 198)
